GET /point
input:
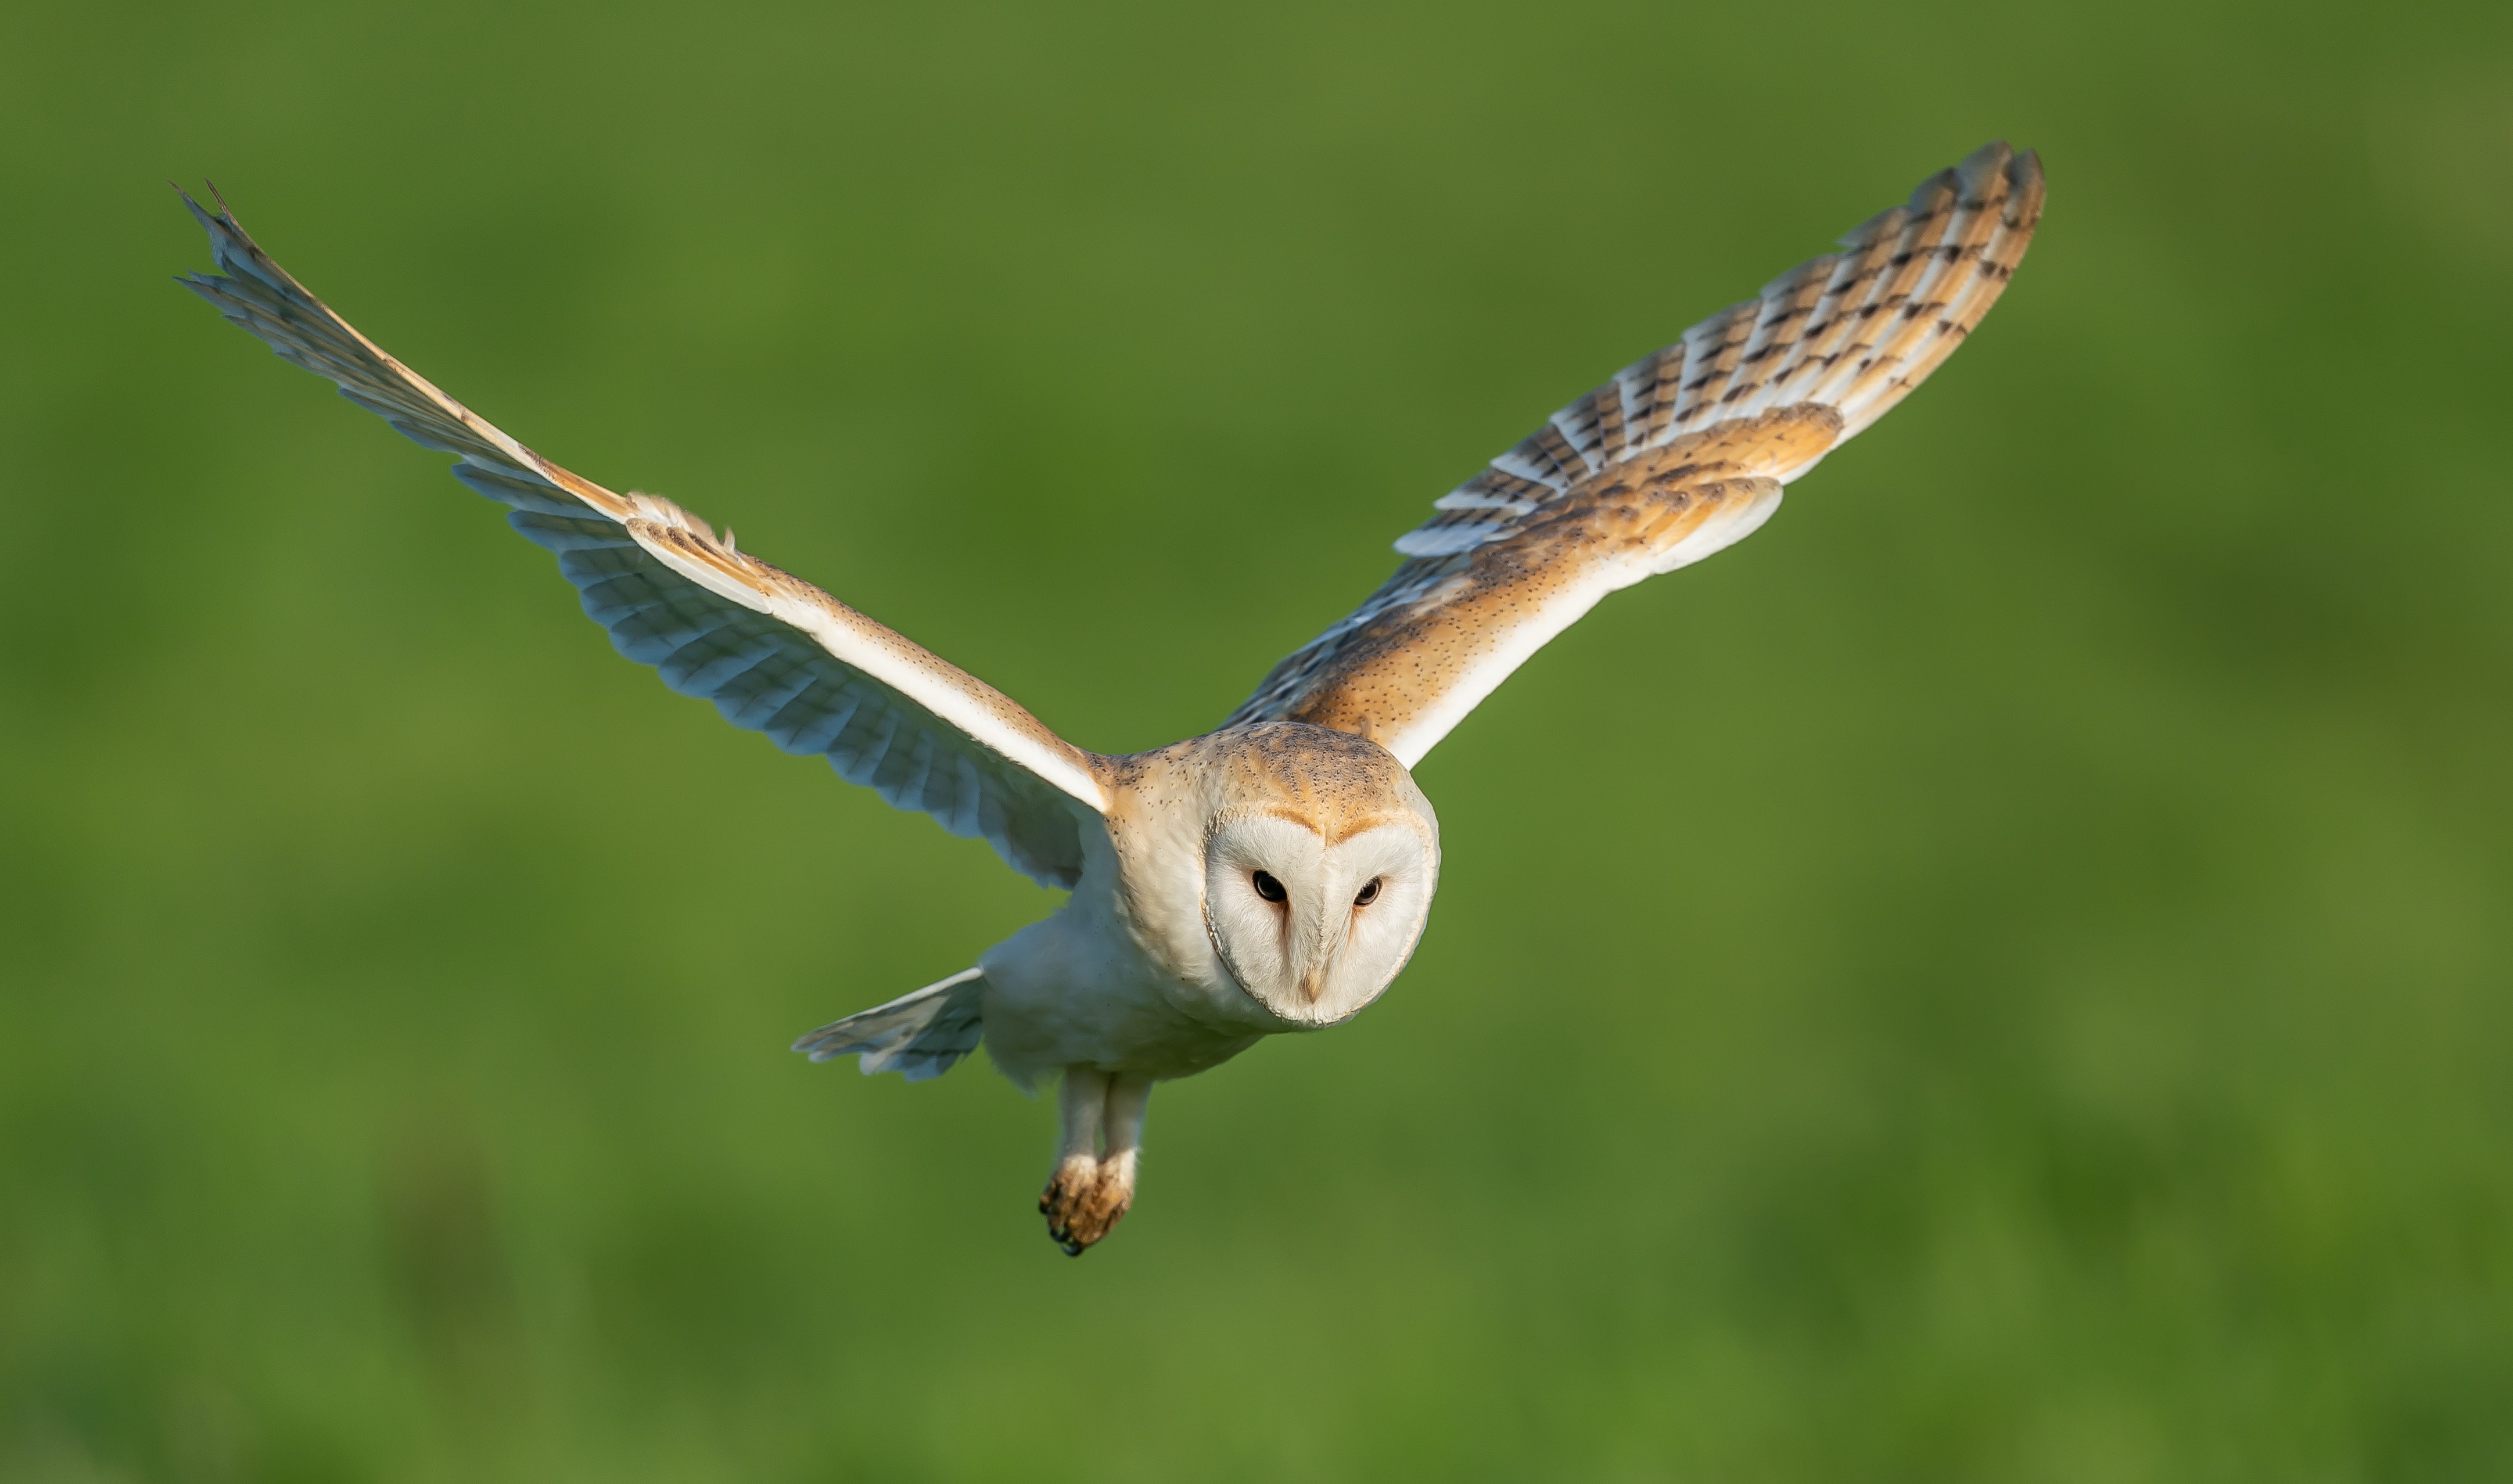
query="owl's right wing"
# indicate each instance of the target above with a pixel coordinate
(1682, 455)
(775, 654)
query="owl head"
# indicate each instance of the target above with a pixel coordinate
(1320, 859)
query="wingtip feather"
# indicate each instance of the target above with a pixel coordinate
(1986, 161)
(200, 213)
(2026, 189)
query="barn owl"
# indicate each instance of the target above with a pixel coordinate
(1274, 874)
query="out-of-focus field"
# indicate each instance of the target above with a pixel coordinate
(2004, 977)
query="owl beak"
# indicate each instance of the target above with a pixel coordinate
(1314, 982)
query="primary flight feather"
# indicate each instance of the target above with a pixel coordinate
(1275, 874)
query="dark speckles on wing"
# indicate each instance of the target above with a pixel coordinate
(1752, 395)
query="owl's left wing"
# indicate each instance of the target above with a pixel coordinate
(775, 654)
(1681, 456)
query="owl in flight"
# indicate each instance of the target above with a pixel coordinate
(1274, 874)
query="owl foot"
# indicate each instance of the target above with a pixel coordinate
(1085, 1199)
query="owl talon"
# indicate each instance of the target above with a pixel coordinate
(1083, 1200)
(1068, 1191)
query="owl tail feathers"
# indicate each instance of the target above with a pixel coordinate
(917, 1036)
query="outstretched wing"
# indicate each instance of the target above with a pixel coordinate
(1680, 455)
(775, 654)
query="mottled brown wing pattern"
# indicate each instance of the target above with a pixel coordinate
(1680, 455)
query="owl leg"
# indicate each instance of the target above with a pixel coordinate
(1128, 1097)
(1092, 1189)
(1083, 1102)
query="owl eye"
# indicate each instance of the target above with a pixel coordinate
(1369, 894)
(1269, 888)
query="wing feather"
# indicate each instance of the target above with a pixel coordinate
(1682, 454)
(774, 653)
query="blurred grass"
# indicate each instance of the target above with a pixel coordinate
(2002, 978)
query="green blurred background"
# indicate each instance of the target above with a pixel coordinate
(2003, 976)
